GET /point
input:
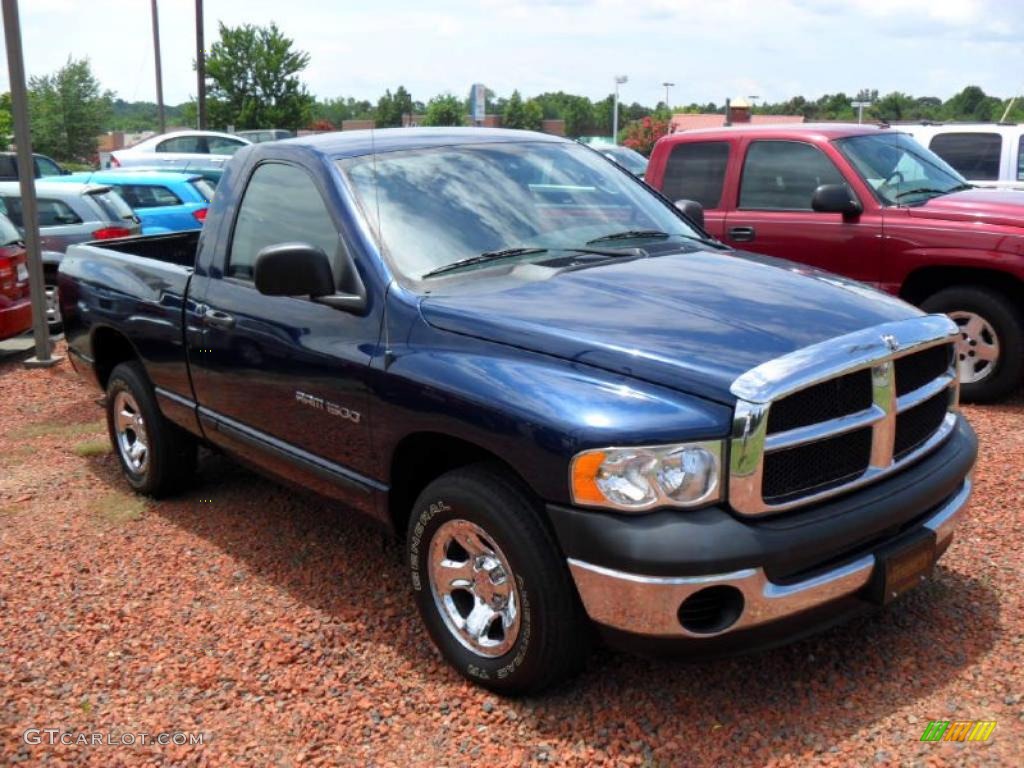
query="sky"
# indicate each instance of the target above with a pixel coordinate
(710, 49)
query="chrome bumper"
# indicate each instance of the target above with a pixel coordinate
(648, 605)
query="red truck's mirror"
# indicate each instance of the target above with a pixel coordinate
(835, 198)
(692, 210)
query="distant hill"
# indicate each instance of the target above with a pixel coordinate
(135, 116)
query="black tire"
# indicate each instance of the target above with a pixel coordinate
(170, 453)
(1004, 320)
(551, 640)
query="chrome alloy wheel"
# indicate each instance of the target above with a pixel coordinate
(474, 588)
(132, 441)
(977, 348)
(52, 306)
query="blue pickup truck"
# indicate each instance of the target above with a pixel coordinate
(576, 408)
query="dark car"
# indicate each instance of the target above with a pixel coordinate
(576, 406)
(44, 167)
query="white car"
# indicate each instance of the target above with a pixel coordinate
(986, 154)
(174, 150)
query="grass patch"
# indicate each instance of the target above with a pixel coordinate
(92, 448)
(117, 507)
(59, 429)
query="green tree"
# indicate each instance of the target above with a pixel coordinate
(67, 111)
(336, 111)
(6, 121)
(972, 103)
(514, 115)
(390, 108)
(533, 115)
(253, 79)
(445, 109)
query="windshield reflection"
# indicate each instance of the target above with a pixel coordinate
(441, 205)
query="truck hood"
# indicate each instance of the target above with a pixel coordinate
(989, 206)
(692, 321)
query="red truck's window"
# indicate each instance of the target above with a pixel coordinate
(696, 171)
(974, 155)
(782, 175)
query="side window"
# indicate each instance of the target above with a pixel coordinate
(782, 175)
(1020, 159)
(147, 196)
(281, 204)
(974, 155)
(55, 213)
(190, 144)
(47, 167)
(221, 146)
(696, 171)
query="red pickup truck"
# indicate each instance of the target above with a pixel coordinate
(872, 204)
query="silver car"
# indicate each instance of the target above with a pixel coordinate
(69, 213)
(173, 150)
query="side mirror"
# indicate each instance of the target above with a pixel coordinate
(835, 198)
(692, 210)
(300, 269)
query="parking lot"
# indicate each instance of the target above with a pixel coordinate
(242, 611)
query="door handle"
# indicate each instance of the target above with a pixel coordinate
(219, 319)
(741, 234)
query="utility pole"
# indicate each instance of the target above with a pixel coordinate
(200, 66)
(667, 86)
(27, 183)
(619, 80)
(159, 75)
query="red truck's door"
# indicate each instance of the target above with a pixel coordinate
(771, 213)
(697, 171)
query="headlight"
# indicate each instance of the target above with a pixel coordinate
(637, 479)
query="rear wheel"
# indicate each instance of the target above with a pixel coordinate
(490, 584)
(990, 349)
(157, 457)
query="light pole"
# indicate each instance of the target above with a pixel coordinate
(159, 75)
(619, 80)
(667, 86)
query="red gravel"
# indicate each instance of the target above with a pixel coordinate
(282, 630)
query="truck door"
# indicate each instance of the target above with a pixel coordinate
(279, 380)
(696, 170)
(773, 213)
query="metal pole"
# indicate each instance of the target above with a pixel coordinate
(26, 179)
(667, 86)
(159, 75)
(615, 116)
(200, 66)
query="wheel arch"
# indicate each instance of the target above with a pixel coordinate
(927, 281)
(110, 348)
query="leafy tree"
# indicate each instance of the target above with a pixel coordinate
(391, 108)
(533, 115)
(336, 111)
(67, 111)
(6, 121)
(445, 110)
(514, 114)
(894, 106)
(641, 134)
(253, 79)
(972, 103)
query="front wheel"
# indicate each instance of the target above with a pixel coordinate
(990, 349)
(490, 584)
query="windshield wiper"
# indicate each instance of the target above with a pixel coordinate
(932, 191)
(629, 234)
(504, 253)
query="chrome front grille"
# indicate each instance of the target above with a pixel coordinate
(841, 414)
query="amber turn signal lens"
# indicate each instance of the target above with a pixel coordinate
(584, 478)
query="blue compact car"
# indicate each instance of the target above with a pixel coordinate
(165, 201)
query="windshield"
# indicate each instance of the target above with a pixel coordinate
(901, 171)
(9, 233)
(629, 159)
(441, 205)
(113, 205)
(204, 188)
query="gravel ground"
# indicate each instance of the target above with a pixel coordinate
(282, 631)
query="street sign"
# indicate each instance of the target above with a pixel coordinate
(478, 102)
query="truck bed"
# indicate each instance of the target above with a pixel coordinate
(136, 286)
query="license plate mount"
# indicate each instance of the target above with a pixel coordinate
(902, 566)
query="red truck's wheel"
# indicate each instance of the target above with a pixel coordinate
(991, 344)
(491, 585)
(157, 457)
